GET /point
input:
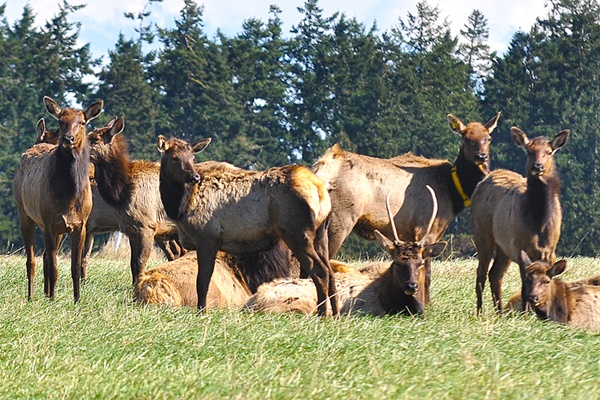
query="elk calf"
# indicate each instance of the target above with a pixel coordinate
(52, 190)
(379, 288)
(512, 213)
(574, 303)
(174, 283)
(243, 212)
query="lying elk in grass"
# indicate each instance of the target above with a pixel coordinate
(52, 190)
(378, 288)
(174, 283)
(130, 188)
(575, 303)
(243, 212)
(512, 213)
(358, 187)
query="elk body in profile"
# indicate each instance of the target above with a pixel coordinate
(52, 190)
(574, 303)
(379, 288)
(512, 213)
(359, 184)
(243, 212)
(131, 188)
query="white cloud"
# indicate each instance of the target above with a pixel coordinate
(102, 21)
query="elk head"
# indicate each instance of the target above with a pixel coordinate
(45, 136)
(476, 140)
(538, 276)
(72, 122)
(178, 158)
(408, 258)
(540, 151)
(100, 139)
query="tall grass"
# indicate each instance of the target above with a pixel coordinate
(108, 347)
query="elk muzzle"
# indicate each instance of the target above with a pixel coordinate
(537, 169)
(68, 142)
(194, 178)
(411, 288)
(533, 299)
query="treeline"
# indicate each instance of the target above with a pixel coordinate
(269, 97)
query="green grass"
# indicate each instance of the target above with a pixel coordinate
(107, 347)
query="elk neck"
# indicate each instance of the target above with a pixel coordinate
(175, 195)
(113, 176)
(464, 178)
(70, 176)
(541, 200)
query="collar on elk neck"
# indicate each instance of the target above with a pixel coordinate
(459, 188)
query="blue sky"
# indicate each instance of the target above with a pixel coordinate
(103, 20)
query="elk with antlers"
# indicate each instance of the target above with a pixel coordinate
(378, 288)
(241, 212)
(512, 213)
(358, 186)
(52, 190)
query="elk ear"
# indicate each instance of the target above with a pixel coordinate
(456, 124)
(557, 269)
(52, 107)
(118, 125)
(200, 145)
(94, 110)
(524, 259)
(434, 250)
(41, 129)
(163, 144)
(385, 243)
(560, 140)
(492, 123)
(519, 137)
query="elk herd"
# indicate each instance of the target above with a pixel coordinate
(265, 240)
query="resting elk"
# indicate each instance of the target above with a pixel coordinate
(52, 190)
(574, 303)
(359, 184)
(130, 188)
(174, 283)
(242, 212)
(379, 288)
(512, 213)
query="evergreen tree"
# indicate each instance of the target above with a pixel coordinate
(474, 50)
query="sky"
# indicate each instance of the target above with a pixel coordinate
(103, 20)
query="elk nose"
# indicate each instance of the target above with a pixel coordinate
(481, 157)
(537, 168)
(411, 287)
(194, 178)
(532, 298)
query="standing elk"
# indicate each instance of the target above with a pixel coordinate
(131, 189)
(512, 213)
(242, 212)
(378, 288)
(52, 190)
(359, 184)
(174, 283)
(574, 303)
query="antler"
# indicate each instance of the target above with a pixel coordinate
(433, 213)
(391, 217)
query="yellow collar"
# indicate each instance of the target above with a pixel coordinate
(459, 188)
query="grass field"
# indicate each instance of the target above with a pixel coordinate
(107, 347)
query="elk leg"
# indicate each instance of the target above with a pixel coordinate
(207, 253)
(87, 253)
(499, 267)
(484, 256)
(166, 249)
(524, 302)
(77, 245)
(141, 246)
(27, 227)
(50, 266)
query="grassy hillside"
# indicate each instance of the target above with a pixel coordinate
(107, 347)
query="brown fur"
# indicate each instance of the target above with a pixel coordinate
(174, 283)
(52, 190)
(243, 212)
(358, 185)
(131, 189)
(575, 303)
(512, 213)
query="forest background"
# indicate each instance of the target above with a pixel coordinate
(268, 97)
